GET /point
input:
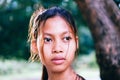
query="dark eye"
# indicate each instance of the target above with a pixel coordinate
(68, 38)
(47, 40)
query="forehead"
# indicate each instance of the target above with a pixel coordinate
(56, 24)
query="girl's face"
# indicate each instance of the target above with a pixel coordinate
(59, 44)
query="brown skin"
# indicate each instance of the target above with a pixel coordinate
(58, 50)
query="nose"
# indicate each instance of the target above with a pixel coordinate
(57, 47)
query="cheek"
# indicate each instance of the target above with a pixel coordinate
(73, 47)
(71, 50)
(47, 49)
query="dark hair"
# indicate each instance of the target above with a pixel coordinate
(56, 11)
(39, 17)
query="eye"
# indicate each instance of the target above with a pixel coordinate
(67, 38)
(47, 40)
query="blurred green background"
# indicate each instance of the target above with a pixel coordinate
(14, 20)
(14, 49)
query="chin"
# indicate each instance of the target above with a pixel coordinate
(58, 69)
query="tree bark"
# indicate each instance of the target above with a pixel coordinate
(103, 18)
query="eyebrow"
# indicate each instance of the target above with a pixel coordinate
(50, 34)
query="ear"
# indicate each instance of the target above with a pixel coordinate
(77, 42)
(33, 46)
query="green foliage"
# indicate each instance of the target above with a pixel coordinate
(86, 41)
(14, 20)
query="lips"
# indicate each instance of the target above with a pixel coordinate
(58, 60)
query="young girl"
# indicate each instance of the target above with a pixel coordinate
(53, 38)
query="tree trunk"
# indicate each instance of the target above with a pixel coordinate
(103, 18)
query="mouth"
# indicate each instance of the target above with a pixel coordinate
(58, 60)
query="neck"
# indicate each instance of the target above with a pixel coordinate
(68, 74)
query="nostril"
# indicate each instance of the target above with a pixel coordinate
(56, 51)
(60, 51)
